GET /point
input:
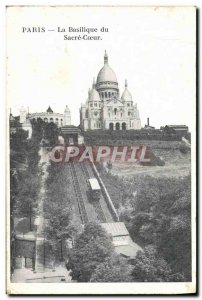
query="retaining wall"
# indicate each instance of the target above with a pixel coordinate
(106, 194)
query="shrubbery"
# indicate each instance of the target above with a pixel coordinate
(157, 212)
(93, 258)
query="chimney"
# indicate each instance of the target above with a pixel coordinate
(147, 121)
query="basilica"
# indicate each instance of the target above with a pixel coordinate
(104, 108)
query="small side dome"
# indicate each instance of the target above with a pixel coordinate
(93, 94)
(126, 96)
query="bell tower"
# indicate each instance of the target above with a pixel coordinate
(67, 116)
(23, 114)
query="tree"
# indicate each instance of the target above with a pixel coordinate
(175, 241)
(59, 226)
(92, 247)
(59, 210)
(159, 214)
(51, 133)
(150, 267)
(33, 157)
(18, 140)
(141, 228)
(26, 196)
(45, 130)
(24, 160)
(37, 130)
(113, 269)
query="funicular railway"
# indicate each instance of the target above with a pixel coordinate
(81, 172)
(87, 209)
(87, 170)
(79, 194)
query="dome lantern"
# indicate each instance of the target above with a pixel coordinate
(105, 58)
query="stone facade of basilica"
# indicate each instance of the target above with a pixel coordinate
(104, 108)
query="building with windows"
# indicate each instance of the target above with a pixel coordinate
(24, 120)
(175, 129)
(48, 116)
(105, 108)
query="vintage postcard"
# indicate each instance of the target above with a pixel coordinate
(101, 143)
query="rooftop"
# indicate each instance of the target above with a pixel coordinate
(94, 184)
(116, 229)
(49, 110)
(177, 126)
(68, 129)
(128, 250)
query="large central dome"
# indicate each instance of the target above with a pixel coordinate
(106, 73)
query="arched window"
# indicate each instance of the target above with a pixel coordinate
(115, 111)
(124, 126)
(111, 126)
(117, 126)
(102, 94)
(105, 94)
(109, 94)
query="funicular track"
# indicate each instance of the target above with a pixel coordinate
(79, 195)
(96, 204)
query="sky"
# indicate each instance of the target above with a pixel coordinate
(153, 48)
